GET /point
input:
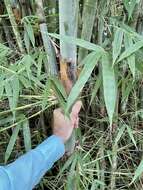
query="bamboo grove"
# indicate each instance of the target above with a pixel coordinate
(55, 52)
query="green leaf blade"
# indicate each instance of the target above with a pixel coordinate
(117, 44)
(12, 142)
(109, 86)
(89, 65)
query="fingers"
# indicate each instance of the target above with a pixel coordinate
(76, 108)
(76, 124)
(57, 111)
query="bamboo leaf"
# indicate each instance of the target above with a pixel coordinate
(138, 171)
(27, 135)
(109, 86)
(27, 41)
(131, 59)
(1, 88)
(119, 135)
(126, 92)
(30, 32)
(96, 88)
(79, 42)
(15, 88)
(130, 132)
(66, 165)
(59, 86)
(117, 44)
(12, 142)
(27, 63)
(89, 65)
(40, 62)
(130, 6)
(9, 94)
(135, 47)
(12, 92)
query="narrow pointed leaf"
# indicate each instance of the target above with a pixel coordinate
(131, 59)
(78, 42)
(1, 88)
(117, 44)
(120, 133)
(109, 86)
(27, 135)
(130, 6)
(12, 142)
(30, 33)
(130, 132)
(96, 88)
(12, 92)
(135, 47)
(138, 171)
(89, 65)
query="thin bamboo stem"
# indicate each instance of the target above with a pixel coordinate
(52, 66)
(14, 25)
(88, 18)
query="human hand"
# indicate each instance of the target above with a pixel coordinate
(63, 126)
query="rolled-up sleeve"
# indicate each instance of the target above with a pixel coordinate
(27, 170)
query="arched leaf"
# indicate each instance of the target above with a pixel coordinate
(89, 65)
(130, 50)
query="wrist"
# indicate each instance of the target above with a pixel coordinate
(60, 137)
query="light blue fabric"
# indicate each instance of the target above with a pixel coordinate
(26, 171)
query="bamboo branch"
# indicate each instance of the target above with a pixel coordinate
(52, 66)
(88, 18)
(14, 25)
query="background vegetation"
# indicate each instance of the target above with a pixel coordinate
(100, 42)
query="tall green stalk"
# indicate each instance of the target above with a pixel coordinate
(68, 15)
(68, 20)
(101, 7)
(88, 20)
(52, 66)
(52, 15)
(14, 25)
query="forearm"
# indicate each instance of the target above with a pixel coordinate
(27, 171)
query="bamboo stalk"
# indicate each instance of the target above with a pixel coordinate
(88, 18)
(102, 107)
(68, 15)
(68, 19)
(26, 7)
(14, 25)
(52, 66)
(114, 12)
(52, 15)
(7, 34)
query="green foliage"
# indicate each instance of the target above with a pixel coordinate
(130, 5)
(110, 78)
(109, 86)
(89, 64)
(12, 142)
(138, 171)
(117, 44)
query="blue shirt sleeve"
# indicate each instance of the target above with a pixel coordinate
(27, 170)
